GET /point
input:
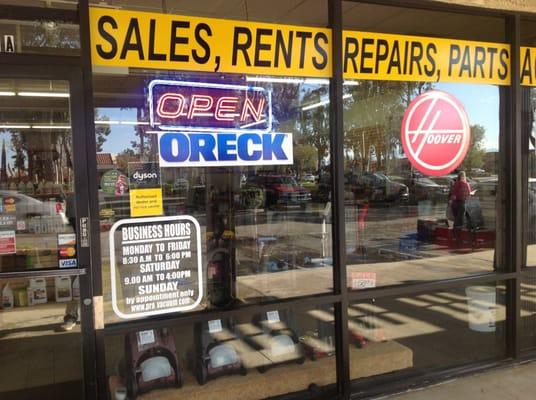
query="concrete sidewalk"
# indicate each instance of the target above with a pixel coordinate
(511, 383)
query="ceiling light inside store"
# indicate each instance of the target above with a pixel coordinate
(43, 94)
(105, 122)
(51, 127)
(310, 81)
(133, 123)
(323, 103)
(7, 93)
(7, 126)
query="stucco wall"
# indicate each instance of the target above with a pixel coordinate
(515, 5)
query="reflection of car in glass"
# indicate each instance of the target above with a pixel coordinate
(26, 206)
(448, 180)
(423, 188)
(281, 190)
(308, 178)
(376, 186)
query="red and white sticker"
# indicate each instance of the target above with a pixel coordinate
(435, 133)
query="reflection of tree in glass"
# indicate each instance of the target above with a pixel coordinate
(315, 124)
(101, 131)
(372, 118)
(124, 157)
(52, 34)
(305, 158)
(475, 155)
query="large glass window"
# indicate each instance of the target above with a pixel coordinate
(40, 341)
(528, 40)
(265, 229)
(407, 218)
(40, 37)
(257, 356)
(421, 333)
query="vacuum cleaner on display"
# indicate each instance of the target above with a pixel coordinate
(216, 355)
(151, 362)
(276, 341)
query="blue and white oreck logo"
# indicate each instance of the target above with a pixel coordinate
(194, 149)
(207, 124)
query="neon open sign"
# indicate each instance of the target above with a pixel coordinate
(196, 106)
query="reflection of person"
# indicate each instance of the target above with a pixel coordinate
(459, 194)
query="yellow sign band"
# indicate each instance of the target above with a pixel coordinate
(123, 38)
(148, 40)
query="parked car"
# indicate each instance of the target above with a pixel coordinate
(376, 187)
(281, 191)
(423, 188)
(308, 178)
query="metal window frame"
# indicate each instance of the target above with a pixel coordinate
(37, 67)
(513, 164)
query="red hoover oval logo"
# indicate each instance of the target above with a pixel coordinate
(435, 133)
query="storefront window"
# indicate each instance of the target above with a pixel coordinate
(528, 42)
(409, 139)
(39, 282)
(265, 229)
(40, 37)
(252, 356)
(430, 331)
(528, 312)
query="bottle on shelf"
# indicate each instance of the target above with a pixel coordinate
(7, 297)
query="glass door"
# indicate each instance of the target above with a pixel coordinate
(42, 267)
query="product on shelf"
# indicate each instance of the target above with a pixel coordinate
(7, 297)
(276, 340)
(37, 291)
(151, 362)
(63, 291)
(215, 354)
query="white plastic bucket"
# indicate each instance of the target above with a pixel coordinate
(482, 306)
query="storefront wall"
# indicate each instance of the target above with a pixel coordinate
(333, 272)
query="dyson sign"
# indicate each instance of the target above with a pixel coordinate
(207, 124)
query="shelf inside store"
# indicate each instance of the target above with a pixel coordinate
(37, 272)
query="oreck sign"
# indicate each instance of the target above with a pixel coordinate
(208, 124)
(123, 38)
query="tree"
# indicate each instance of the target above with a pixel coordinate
(475, 155)
(305, 158)
(123, 158)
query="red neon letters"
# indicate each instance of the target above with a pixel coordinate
(225, 108)
(203, 106)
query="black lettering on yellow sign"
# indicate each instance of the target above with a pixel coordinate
(148, 40)
(261, 47)
(481, 62)
(164, 41)
(528, 66)
(134, 41)
(370, 55)
(377, 55)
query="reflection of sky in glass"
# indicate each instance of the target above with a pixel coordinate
(481, 103)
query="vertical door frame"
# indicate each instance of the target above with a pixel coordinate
(20, 66)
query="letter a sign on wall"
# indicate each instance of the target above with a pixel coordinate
(435, 133)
